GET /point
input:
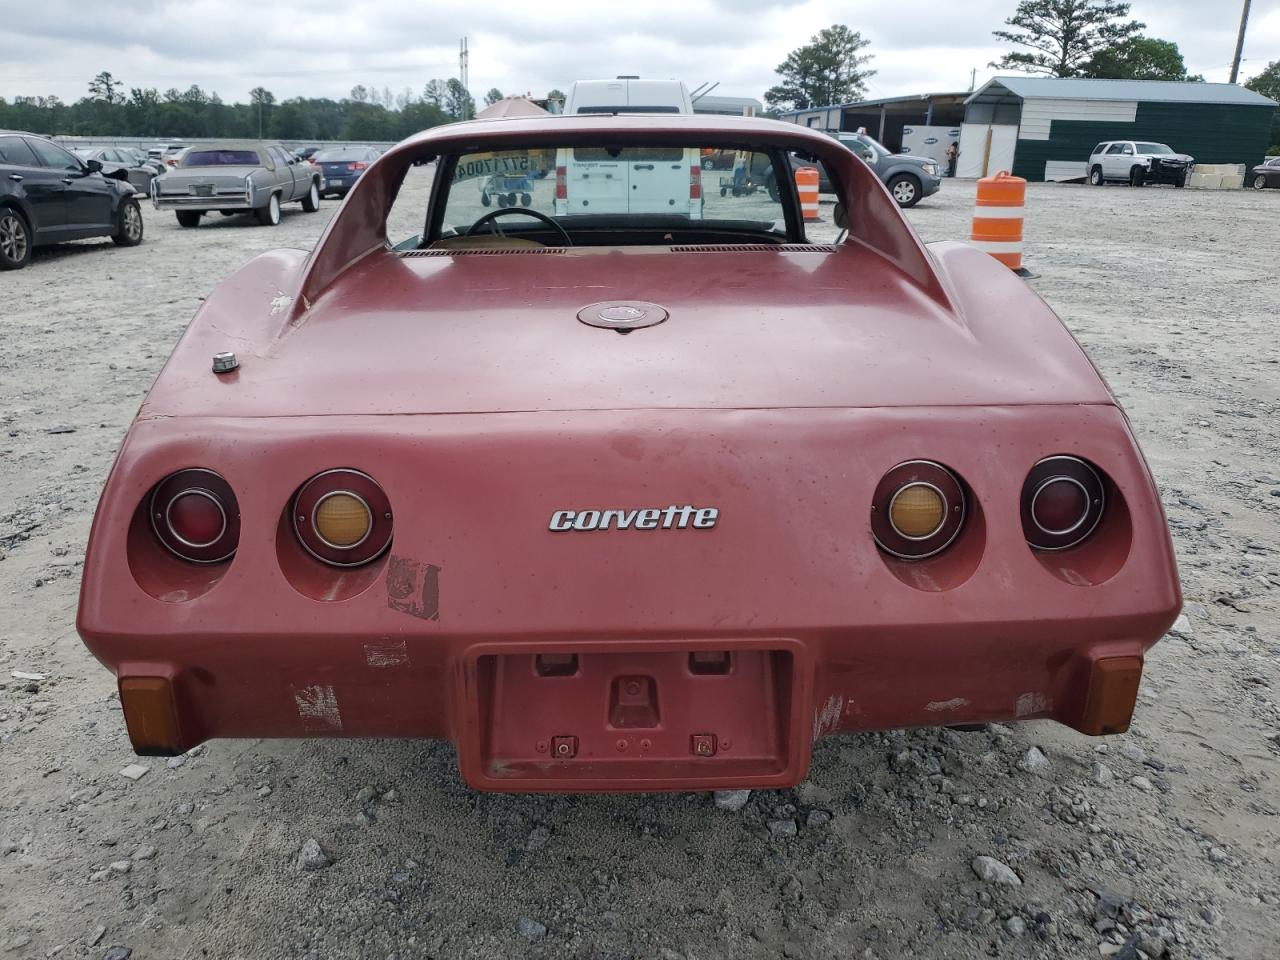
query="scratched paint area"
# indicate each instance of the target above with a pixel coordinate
(318, 706)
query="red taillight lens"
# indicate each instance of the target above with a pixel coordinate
(359, 165)
(695, 183)
(562, 185)
(917, 510)
(195, 515)
(342, 517)
(1062, 502)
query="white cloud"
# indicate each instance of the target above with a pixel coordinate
(324, 47)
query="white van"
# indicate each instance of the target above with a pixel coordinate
(628, 95)
(595, 180)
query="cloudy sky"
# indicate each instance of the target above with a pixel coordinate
(324, 47)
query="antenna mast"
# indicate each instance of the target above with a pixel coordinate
(463, 76)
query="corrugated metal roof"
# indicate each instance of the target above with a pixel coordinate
(1078, 88)
(860, 104)
(736, 104)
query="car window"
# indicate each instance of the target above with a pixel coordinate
(1127, 149)
(1150, 149)
(1115, 148)
(339, 154)
(1274, 162)
(1099, 148)
(53, 156)
(646, 189)
(220, 158)
(14, 150)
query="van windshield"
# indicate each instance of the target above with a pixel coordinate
(623, 190)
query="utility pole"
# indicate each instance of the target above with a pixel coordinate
(1235, 63)
(973, 78)
(463, 77)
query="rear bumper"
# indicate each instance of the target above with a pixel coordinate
(749, 725)
(238, 202)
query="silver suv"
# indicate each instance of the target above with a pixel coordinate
(1137, 163)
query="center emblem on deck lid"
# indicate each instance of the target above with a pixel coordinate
(622, 316)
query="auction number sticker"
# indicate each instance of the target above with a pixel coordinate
(495, 165)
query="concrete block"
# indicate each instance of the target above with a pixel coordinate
(1232, 182)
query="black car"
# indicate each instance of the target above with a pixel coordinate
(1265, 174)
(48, 195)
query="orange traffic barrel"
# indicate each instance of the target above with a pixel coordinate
(997, 218)
(807, 187)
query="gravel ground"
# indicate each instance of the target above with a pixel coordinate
(1161, 840)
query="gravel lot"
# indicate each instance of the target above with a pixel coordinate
(1164, 839)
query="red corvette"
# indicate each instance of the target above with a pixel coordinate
(630, 486)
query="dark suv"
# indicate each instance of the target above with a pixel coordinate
(48, 195)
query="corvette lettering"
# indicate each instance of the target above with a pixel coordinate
(654, 518)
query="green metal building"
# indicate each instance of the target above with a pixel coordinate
(1043, 128)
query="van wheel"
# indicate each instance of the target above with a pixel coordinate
(188, 218)
(269, 215)
(1095, 176)
(311, 202)
(128, 224)
(15, 240)
(525, 200)
(484, 200)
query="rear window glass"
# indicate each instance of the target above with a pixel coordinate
(340, 153)
(653, 193)
(221, 158)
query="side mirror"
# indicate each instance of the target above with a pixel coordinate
(95, 166)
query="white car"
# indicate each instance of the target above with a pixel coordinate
(1138, 162)
(628, 180)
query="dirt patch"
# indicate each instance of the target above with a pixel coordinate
(1164, 839)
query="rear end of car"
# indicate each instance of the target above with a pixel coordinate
(340, 169)
(213, 178)
(631, 180)
(722, 492)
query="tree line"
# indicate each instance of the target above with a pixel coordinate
(111, 109)
(1054, 38)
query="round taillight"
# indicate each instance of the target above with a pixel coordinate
(917, 510)
(195, 515)
(1062, 502)
(342, 517)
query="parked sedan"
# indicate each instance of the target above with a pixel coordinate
(48, 195)
(1266, 175)
(342, 167)
(909, 179)
(115, 158)
(237, 177)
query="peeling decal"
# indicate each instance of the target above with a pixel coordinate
(318, 706)
(413, 587)
(942, 706)
(1030, 704)
(825, 720)
(386, 653)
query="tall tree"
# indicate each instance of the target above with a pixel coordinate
(1267, 83)
(1063, 34)
(360, 93)
(262, 99)
(1138, 58)
(435, 93)
(106, 87)
(830, 68)
(458, 102)
(493, 96)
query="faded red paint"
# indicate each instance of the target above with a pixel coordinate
(780, 390)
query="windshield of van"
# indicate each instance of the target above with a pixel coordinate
(655, 188)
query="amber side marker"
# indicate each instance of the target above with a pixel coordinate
(151, 715)
(1112, 693)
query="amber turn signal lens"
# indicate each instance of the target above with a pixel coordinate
(343, 520)
(917, 511)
